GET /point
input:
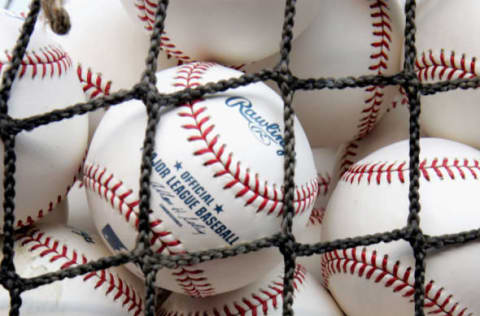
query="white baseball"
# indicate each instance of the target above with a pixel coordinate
(50, 248)
(372, 197)
(48, 157)
(108, 51)
(324, 161)
(446, 50)
(228, 32)
(348, 38)
(262, 298)
(217, 178)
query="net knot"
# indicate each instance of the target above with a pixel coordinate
(7, 126)
(288, 246)
(10, 280)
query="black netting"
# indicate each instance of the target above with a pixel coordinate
(146, 91)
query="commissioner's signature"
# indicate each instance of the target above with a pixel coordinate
(177, 214)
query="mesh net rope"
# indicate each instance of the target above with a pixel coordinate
(147, 92)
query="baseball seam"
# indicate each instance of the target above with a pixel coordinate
(402, 100)
(324, 181)
(146, 14)
(444, 65)
(122, 199)
(440, 168)
(382, 40)
(46, 61)
(247, 185)
(381, 270)
(255, 303)
(93, 85)
(316, 217)
(46, 246)
(348, 157)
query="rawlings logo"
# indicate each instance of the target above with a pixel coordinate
(265, 131)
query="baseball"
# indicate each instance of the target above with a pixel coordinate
(228, 32)
(372, 197)
(49, 248)
(48, 157)
(446, 51)
(348, 38)
(217, 178)
(262, 298)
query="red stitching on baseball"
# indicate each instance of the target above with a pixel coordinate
(373, 267)
(323, 183)
(348, 157)
(381, 32)
(403, 99)
(254, 303)
(444, 65)
(93, 85)
(441, 168)
(193, 282)
(46, 61)
(122, 199)
(316, 218)
(54, 250)
(146, 14)
(195, 111)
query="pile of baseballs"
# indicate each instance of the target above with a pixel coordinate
(217, 162)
